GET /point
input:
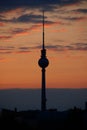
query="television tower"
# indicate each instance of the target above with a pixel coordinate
(43, 63)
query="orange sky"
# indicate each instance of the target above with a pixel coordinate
(65, 40)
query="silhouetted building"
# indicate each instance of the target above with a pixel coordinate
(85, 105)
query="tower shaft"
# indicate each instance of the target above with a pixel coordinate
(43, 91)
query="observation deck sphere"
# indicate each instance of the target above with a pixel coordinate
(43, 62)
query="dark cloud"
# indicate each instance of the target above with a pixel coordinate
(80, 46)
(71, 47)
(58, 48)
(7, 47)
(6, 52)
(30, 18)
(72, 18)
(33, 4)
(77, 46)
(13, 49)
(81, 11)
(1, 16)
(26, 18)
(5, 37)
(18, 31)
(22, 52)
(48, 5)
(24, 48)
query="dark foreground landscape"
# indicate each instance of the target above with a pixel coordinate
(37, 120)
(66, 109)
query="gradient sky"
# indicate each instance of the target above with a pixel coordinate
(21, 40)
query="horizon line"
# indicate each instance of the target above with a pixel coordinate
(39, 88)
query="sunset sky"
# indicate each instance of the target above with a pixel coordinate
(65, 41)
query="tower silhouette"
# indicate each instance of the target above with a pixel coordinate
(43, 63)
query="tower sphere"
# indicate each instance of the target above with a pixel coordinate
(43, 62)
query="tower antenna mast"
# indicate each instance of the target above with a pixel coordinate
(43, 32)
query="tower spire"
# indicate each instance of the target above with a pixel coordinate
(43, 32)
